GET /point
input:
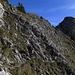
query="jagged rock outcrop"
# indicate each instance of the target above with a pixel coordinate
(29, 45)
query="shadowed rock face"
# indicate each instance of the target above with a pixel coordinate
(29, 45)
(67, 26)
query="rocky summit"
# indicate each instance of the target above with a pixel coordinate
(67, 26)
(30, 45)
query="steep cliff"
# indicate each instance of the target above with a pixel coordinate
(29, 45)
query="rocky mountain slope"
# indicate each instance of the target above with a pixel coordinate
(29, 45)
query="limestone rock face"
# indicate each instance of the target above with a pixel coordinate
(1, 15)
(1, 10)
(29, 45)
(4, 73)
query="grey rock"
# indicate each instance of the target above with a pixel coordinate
(35, 45)
(1, 10)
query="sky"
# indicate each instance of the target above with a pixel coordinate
(52, 10)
